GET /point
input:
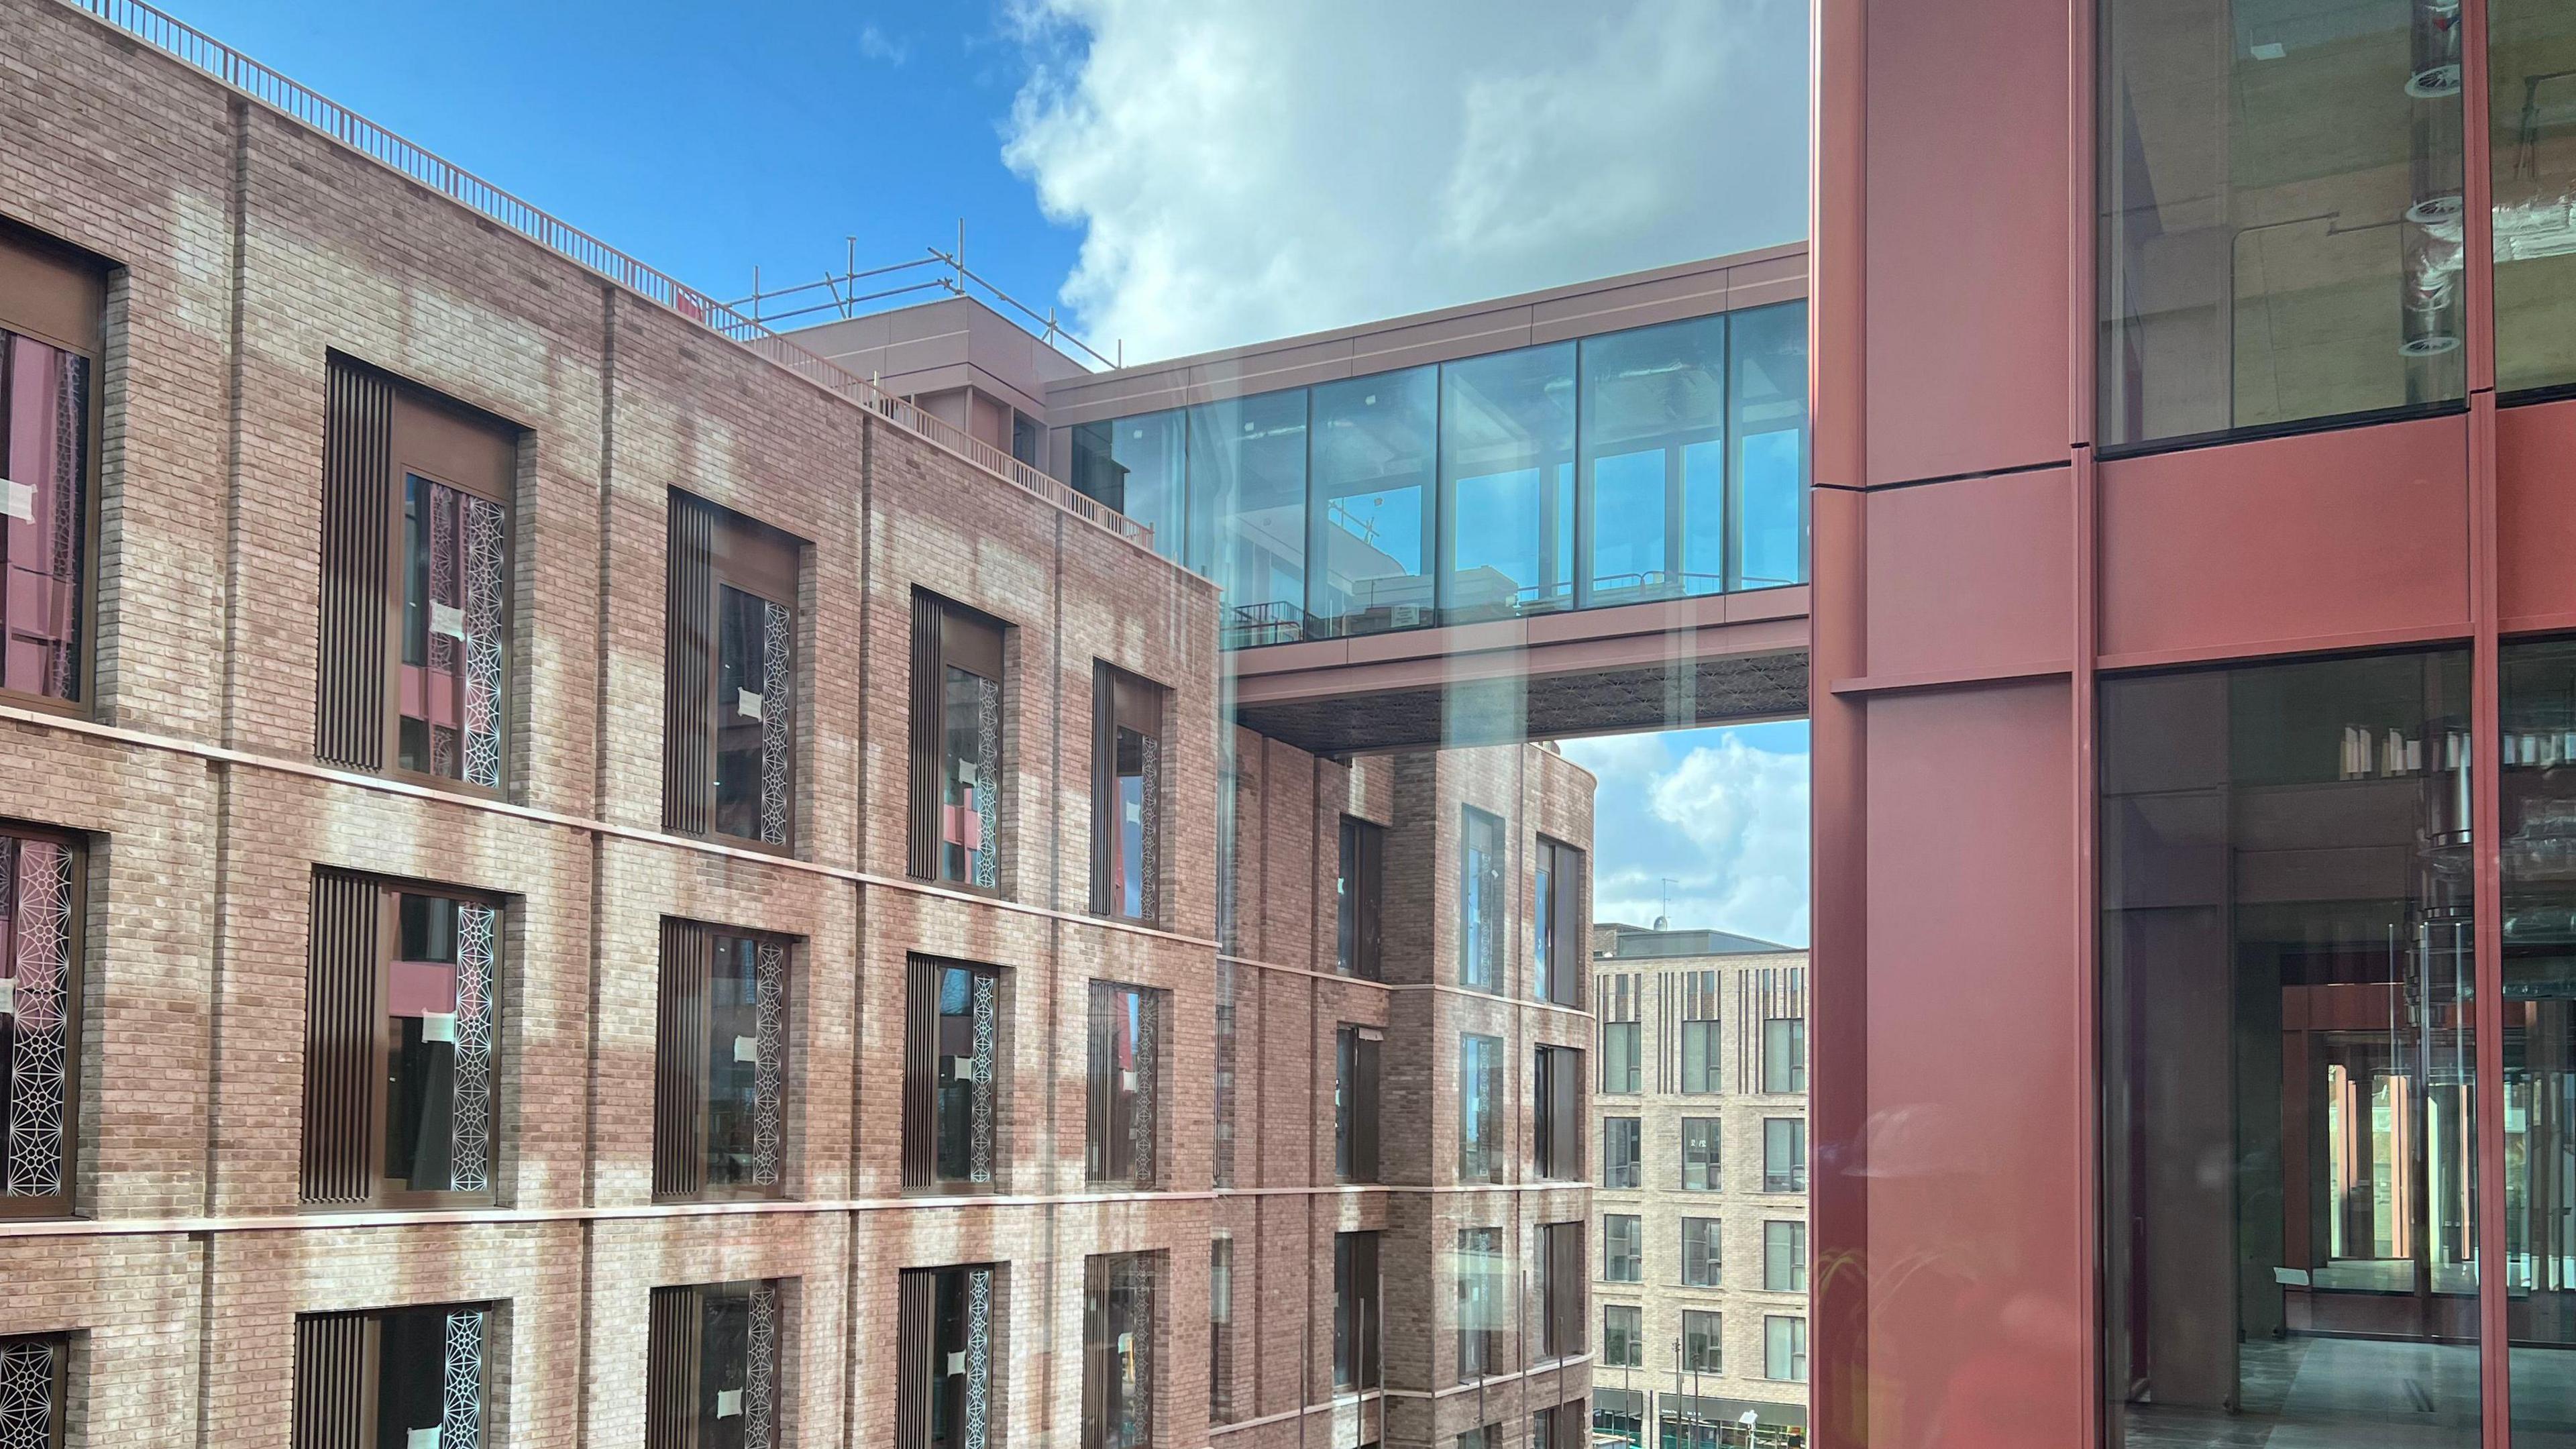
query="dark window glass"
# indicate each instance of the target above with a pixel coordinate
(1118, 1323)
(713, 1359)
(1127, 799)
(1507, 483)
(44, 516)
(1478, 1272)
(1703, 1256)
(730, 688)
(1355, 1103)
(1124, 1089)
(1700, 1155)
(40, 917)
(1619, 1066)
(1557, 925)
(2280, 198)
(429, 1371)
(1373, 446)
(1027, 440)
(2290, 1124)
(1221, 1331)
(1556, 1119)
(1700, 1059)
(35, 1380)
(752, 671)
(954, 1055)
(1621, 1139)
(1784, 1154)
(1358, 888)
(1356, 1349)
(1784, 1257)
(1480, 1098)
(1484, 902)
(1623, 1248)
(1654, 462)
(1559, 1273)
(2531, 112)
(1703, 1342)
(1623, 1336)
(1137, 465)
(1784, 1054)
(438, 995)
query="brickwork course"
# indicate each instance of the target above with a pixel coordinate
(244, 251)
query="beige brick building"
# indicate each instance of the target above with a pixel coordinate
(487, 912)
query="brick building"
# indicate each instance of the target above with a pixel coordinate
(574, 882)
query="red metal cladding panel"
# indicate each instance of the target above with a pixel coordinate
(2335, 538)
(2536, 515)
(1967, 236)
(1971, 577)
(1978, 1187)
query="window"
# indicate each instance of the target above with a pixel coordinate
(1372, 453)
(1507, 483)
(53, 305)
(1654, 462)
(1559, 1275)
(415, 571)
(1483, 906)
(1127, 796)
(1619, 1066)
(1703, 1259)
(1784, 1257)
(1703, 1342)
(1357, 1351)
(2528, 90)
(35, 1382)
(1357, 891)
(1136, 466)
(712, 1362)
(720, 1064)
(1118, 1361)
(1700, 1056)
(1784, 1154)
(42, 904)
(398, 1376)
(1221, 1330)
(1355, 1109)
(1784, 1349)
(728, 731)
(2537, 704)
(952, 1059)
(1784, 1055)
(2240, 153)
(1620, 1146)
(1623, 1336)
(1623, 1248)
(1480, 1096)
(1028, 440)
(1124, 1086)
(957, 777)
(1486, 1436)
(1619, 1414)
(1557, 1114)
(1557, 949)
(399, 1036)
(1479, 1275)
(947, 1341)
(1700, 1155)
(1247, 480)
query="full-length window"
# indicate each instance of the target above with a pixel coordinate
(1118, 1359)
(398, 1376)
(35, 1379)
(711, 1378)
(1701, 1052)
(1357, 1351)
(52, 311)
(40, 953)
(1507, 483)
(720, 1064)
(1700, 1167)
(400, 1066)
(1247, 465)
(2537, 839)
(1623, 1336)
(1703, 1253)
(1126, 796)
(1557, 920)
(1484, 899)
(1784, 1154)
(1478, 1271)
(1620, 1069)
(956, 744)
(1355, 1103)
(1784, 1350)
(2532, 151)
(412, 666)
(1221, 1330)
(1622, 1140)
(1784, 1257)
(1558, 1274)
(1623, 1248)
(2280, 214)
(1124, 1086)
(1371, 512)
(952, 1067)
(948, 1336)
(1784, 1055)
(1703, 1342)
(1358, 890)
(1556, 1113)
(729, 691)
(2290, 1113)
(1654, 462)
(1480, 1102)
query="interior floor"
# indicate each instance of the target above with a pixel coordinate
(2346, 1393)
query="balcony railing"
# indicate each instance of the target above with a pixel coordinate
(193, 47)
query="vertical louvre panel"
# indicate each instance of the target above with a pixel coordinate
(688, 744)
(679, 1054)
(340, 1040)
(928, 694)
(671, 1369)
(1104, 786)
(334, 1396)
(357, 555)
(916, 1321)
(920, 1070)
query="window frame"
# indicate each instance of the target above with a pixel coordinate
(669, 1172)
(1633, 1034)
(1796, 1346)
(1360, 892)
(1100, 1273)
(1711, 1252)
(762, 563)
(1631, 1333)
(1796, 1176)
(988, 1015)
(1713, 1137)
(1556, 924)
(948, 635)
(59, 1203)
(1357, 1087)
(1146, 1098)
(1130, 702)
(1623, 1171)
(1796, 1063)
(675, 1360)
(1710, 1332)
(1359, 1318)
(1472, 893)
(33, 265)
(1556, 1116)
(1478, 1262)
(922, 1367)
(57, 1401)
(1784, 1240)
(1708, 1080)
(1564, 1314)
(1480, 1086)
(1631, 1236)
(336, 1351)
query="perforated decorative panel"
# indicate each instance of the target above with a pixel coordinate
(39, 886)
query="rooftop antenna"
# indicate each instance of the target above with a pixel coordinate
(961, 256)
(1664, 922)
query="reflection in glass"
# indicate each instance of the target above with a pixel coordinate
(1247, 461)
(1507, 483)
(2538, 850)
(1768, 418)
(2288, 1053)
(2280, 199)
(746, 1047)
(754, 696)
(1373, 445)
(1136, 465)
(2531, 108)
(1480, 1094)
(438, 1004)
(44, 451)
(1118, 1327)
(1654, 485)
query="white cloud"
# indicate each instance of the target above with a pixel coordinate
(875, 44)
(1247, 169)
(1726, 826)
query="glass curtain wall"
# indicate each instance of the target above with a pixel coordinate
(1247, 479)
(2538, 858)
(2289, 1056)
(1653, 512)
(1507, 484)
(2531, 113)
(1375, 449)
(2281, 212)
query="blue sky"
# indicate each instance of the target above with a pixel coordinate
(1720, 814)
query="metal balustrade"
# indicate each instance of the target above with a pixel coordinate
(183, 42)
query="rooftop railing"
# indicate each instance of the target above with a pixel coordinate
(185, 43)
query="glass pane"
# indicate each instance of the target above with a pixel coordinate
(1482, 902)
(1506, 483)
(1769, 417)
(2531, 108)
(970, 825)
(2538, 791)
(1127, 868)
(1146, 467)
(2280, 197)
(1248, 463)
(746, 1048)
(429, 1377)
(438, 998)
(753, 689)
(45, 516)
(1653, 399)
(2289, 1062)
(1372, 446)
(964, 1076)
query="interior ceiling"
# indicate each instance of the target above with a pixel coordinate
(1678, 695)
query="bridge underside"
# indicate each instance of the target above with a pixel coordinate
(1728, 659)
